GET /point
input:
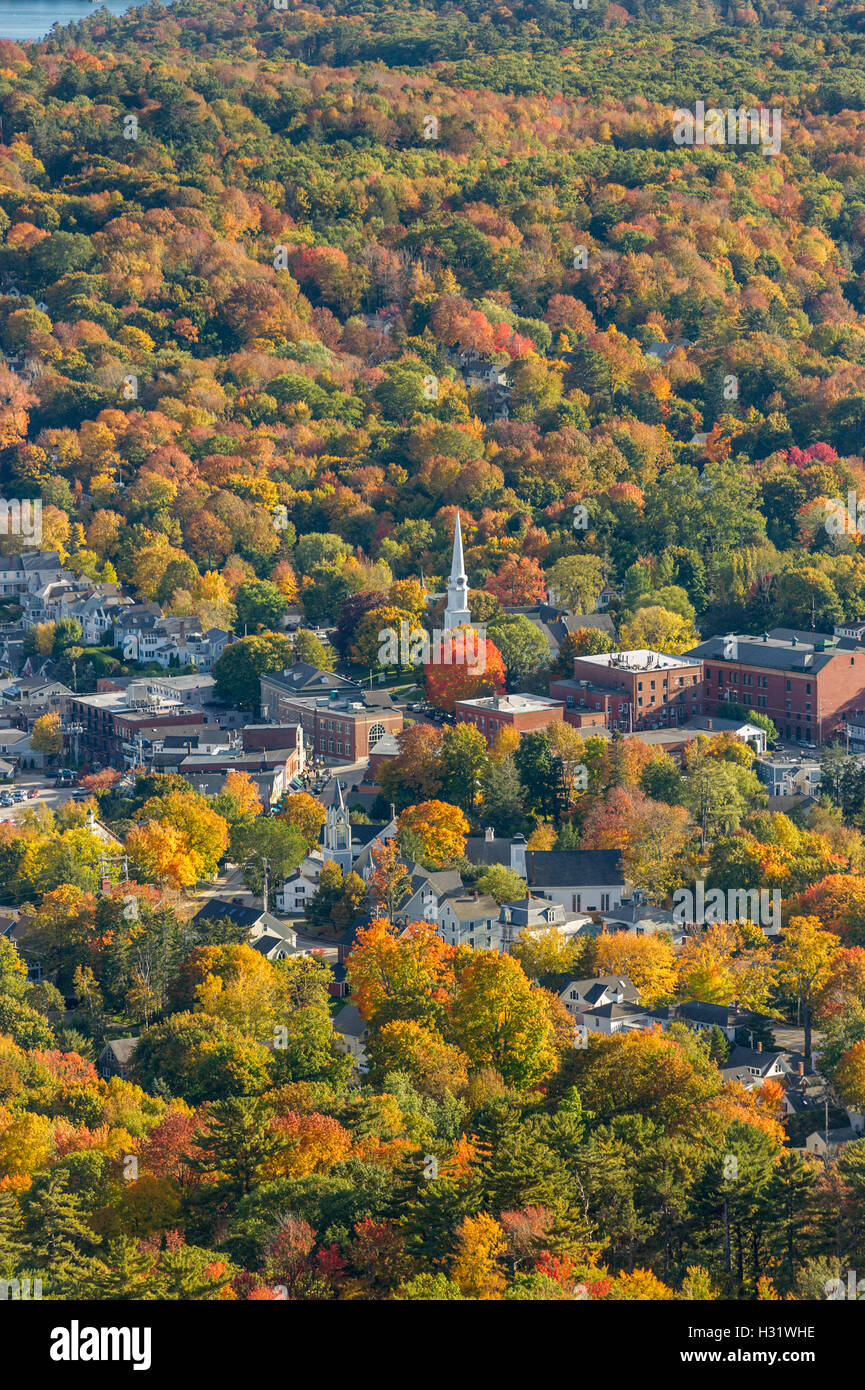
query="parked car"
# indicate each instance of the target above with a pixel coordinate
(238, 902)
(18, 796)
(34, 791)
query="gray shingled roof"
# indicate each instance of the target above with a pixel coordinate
(562, 868)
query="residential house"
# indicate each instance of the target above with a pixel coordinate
(115, 1058)
(265, 933)
(582, 880)
(19, 572)
(729, 1018)
(751, 1066)
(639, 918)
(789, 776)
(472, 919)
(581, 996)
(828, 1144)
(530, 915)
(617, 1018)
(429, 888)
(350, 1025)
(555, 622)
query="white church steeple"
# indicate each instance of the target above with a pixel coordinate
(337, 831)
(457, 608)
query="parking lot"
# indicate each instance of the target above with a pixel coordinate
(35, 790)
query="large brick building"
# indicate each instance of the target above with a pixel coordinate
(111, 727)
(339, 725)
(630, 691)
(491, 713)
(808, 684)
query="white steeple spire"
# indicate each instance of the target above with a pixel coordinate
(457, 610)
(457, 563)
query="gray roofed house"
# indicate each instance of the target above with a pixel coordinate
(728, 1018)
(829, 1144)
(115, 1057)
(588, 867)
(304, 679)
(489, 849)
(643, 919)
(277, 937)
(582, 880)
(752, 1066)
(218, 910)
(555, 622)
(470, 919)
(592, 992)
(351, 1026)
(428, 890)
(615, 1018)
(272, 947)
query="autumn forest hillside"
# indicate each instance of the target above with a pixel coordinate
(282, 287)
(248, 253)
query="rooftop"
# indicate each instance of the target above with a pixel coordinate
(641, 659)
(563, 868)
(776, 652)
(513, 704)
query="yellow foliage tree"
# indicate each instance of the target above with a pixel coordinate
(649, 963)
(47, 735)
(434, 831)
(476, 1269)
(159, 853)
(241, 786)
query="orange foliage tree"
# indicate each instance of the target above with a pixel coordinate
(445, 684)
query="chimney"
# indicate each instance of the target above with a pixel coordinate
(800, 1067)
(708, 723)
(489, 834)
(392, 811)
(759, 1047)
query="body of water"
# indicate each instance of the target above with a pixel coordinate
(32, 19)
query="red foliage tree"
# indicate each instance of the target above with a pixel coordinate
(446, 684)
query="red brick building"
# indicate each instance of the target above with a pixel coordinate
(808, 684)
(631, 691)
(338, 726)
(491, 713)
(110, 726)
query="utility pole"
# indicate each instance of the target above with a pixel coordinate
(265, 892)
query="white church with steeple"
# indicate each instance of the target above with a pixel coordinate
(456, 612)
(336, 836)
